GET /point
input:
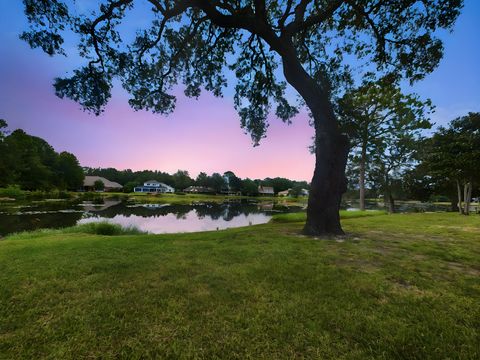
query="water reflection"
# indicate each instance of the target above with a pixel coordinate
(161, 218)
(154, 218)
(186, 222)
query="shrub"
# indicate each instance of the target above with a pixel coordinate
(98, 200)
(104, 228)
(94, 228)
(12, 191)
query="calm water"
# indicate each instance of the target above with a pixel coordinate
(154, 218)
(159, 218)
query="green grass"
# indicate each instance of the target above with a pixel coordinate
(302, 216)
(189, 198)
(397, 287)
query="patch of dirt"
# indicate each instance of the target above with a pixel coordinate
(470, 229)
(463, 268)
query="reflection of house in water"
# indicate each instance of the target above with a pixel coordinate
(88, 206)
(266, 205)
(154, 206)
(154, 186)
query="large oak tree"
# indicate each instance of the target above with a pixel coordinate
(315, 45)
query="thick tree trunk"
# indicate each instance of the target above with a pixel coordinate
(328, 185)
(459, 193)
(361, 180)
(331, 151)
(391, 203)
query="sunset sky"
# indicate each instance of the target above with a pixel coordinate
(201, 135)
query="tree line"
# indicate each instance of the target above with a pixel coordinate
(390, 156)
(180, 180)
(32, 164)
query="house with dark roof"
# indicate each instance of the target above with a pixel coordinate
(153, 186)
(266, 190)
(89, 184)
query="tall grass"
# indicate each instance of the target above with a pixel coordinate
(94, 228)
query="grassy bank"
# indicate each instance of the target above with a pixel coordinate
(15, 194)
(189, 198)
(400, 286)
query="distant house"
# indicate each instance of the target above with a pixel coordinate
(266, 190)
(153, 186)
(89, 184)
(199, 190)
(284, 193)
(303, 192)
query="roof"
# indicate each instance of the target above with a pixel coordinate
(152, 182)
(199, 189)
(90, 181)
(266, 189)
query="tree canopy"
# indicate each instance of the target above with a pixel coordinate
(31, 163)
(454, 155)
(195, 41)
(375, 116)
(316, 46)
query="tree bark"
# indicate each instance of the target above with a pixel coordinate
(328, 185)
(361, 180)
(391, 203)
(331, 150)
(459, 193)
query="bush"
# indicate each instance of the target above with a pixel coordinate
(98, 200)
(12, 191)
(94, 228)
(439, 198)
(104, 228)
(64, 195)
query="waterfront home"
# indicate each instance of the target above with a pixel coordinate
(266, 190)
(303, 192)
(199, 190)
(284, 193)
(153, 186)
(89, 184)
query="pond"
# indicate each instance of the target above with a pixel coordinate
(162, 218)
(153, 218)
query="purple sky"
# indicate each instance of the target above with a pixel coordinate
(201, 135)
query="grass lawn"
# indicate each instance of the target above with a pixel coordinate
(398, 287)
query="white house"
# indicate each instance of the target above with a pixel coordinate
(152, 186)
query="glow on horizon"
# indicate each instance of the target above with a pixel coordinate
(201, 135)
